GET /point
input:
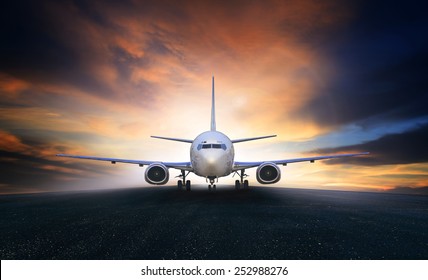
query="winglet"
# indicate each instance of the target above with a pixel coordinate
(213, 128)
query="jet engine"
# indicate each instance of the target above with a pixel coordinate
(157, 174)
(268, 173)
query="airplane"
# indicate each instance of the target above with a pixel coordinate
(212, 156)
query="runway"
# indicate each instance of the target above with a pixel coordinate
(262, 223)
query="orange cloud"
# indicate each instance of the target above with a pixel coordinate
(11, 85)
(47, 150)
(187, 42)
(11, 143)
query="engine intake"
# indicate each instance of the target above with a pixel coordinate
(156, 174)
(268, 173)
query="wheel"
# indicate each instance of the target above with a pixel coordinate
(180, 185)
(237, 184)
(214, 187)
(246, 185)
(187, 185)
(209, 187)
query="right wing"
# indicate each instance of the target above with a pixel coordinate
(187, 166)
(173, 139)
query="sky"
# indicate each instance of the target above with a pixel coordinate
(99, 77)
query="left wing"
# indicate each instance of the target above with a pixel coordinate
(251, 139)
(187, 166)
(244, 165)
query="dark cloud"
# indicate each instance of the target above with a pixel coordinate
(89, 45)
(22, 169)
(28, 173)
(92, 11)
(396, 92)
(30, 165)
(377, 65)
(409, 190)
(27, 42)
(32, 47)
(404, 148)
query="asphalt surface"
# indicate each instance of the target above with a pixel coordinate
(263, 223)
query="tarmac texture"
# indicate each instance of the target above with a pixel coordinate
(262, 223)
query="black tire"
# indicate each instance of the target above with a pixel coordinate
(188, 185)
(214, 187)
(209, 187)
(237, 185)
(180, 185)
(246, 185)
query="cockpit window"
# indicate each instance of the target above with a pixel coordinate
(211, 146)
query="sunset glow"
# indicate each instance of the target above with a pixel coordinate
(98, 79)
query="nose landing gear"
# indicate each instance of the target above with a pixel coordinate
(211, 185)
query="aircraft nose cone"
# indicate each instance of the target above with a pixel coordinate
(211, 160)
(213, 164)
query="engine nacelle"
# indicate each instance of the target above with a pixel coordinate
(268, 173)
(157, 174)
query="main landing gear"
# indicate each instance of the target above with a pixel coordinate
(182, 183)
(241, 183)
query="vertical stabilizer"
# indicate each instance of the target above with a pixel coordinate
(213, 128)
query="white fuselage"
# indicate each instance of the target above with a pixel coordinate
(212, 155)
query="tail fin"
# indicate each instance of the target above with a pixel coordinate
(213, 128)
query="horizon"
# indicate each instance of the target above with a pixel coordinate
(201, 188)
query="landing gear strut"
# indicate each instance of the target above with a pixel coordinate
(183, 182)
(211, 185)
(242, 182)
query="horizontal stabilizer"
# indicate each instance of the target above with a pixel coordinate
(251, 139)
(173, 139)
